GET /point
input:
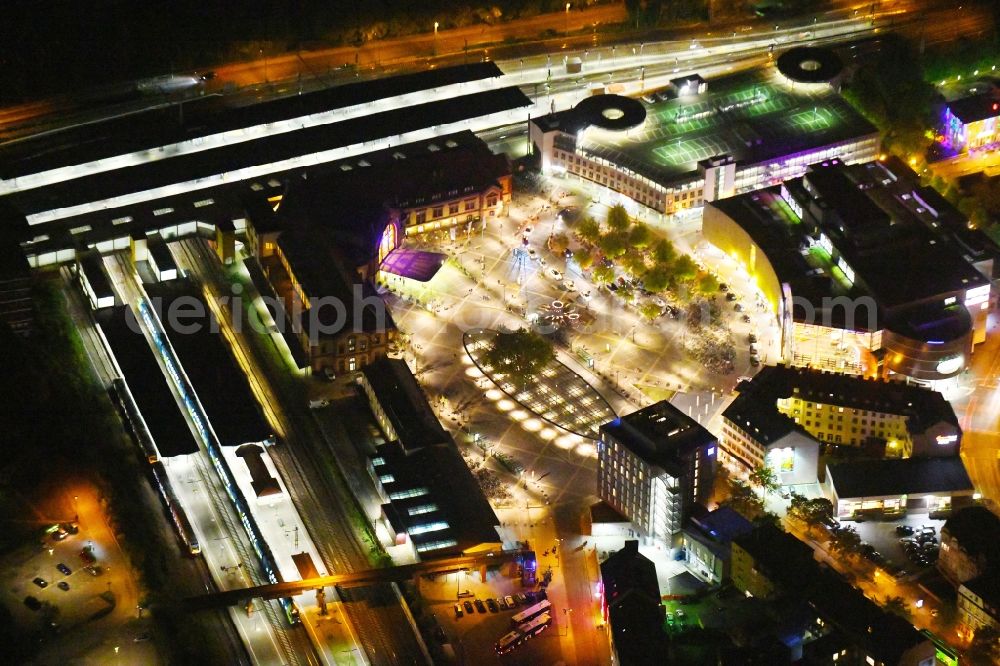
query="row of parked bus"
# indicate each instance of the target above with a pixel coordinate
(526, 625)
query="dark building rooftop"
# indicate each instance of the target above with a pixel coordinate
(987, 587)
(322, 274)
(211, 115)
(882, 635)
(977, 529)
(167, 426)
(267, 150)
(220, 385)
(660, 434)
(755, 409)
(404, 403)
(779, 555)
(632, 596)
(724, 524)
(261, 480)
(790, 563)
(452, 497)
(976, 107)
(353, 198)
(906, 476)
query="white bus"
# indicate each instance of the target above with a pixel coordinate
(530, 612)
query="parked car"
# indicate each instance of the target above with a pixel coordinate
(32, 603)
(754, 361)
(569, 285)
(491, 603)
(904, 530)
(94, 570)
(568, 253)
(41, 582)
(738, 307)
(730, 296)
(745, 319)
(458, 610)
(679, 613)
(480, 606)
(555, 275)
(318, 404)
(510, 601)
(59, 534)
(65, 570)
(649, 99)
(502, 603)
(468, 607)
(520, 599)
(752, 339)
(723, 286)
(63, 585)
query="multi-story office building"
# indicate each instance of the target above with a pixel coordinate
(843, 256)
(653, 465)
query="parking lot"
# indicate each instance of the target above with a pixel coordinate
(474, 634)
(83, 616)
(883, 537)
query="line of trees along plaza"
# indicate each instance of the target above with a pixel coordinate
(648, 273)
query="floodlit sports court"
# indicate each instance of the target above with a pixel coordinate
(754, 117)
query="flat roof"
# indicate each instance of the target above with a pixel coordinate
(93, 270)
(974, 108)
(902, 476)
(266, 150)
(164, 420)
(211, 115)
(748, 116)
(220, 385)
(161, 255)
(404, 403)
(660, 434)
(453, 497)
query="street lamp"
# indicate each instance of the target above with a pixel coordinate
(436, 24)
(568, 5)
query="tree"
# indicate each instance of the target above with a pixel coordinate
(603, 274)
(588, 230)
(664, 252)
(656, 279)
(985, 647)
(764, 478)
(558, 243)
(634, 264)
(845, 540)
(684, 268)
(618, 219)
(897, 606)
(813, 512)
(768, 518)
(519, 354)
(708, 283)
(613, 244)
(743, 499)
(639, 236)
(584, 258)
(650, 310)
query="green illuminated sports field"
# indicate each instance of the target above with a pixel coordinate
(746, 116)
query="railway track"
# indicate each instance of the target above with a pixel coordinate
(323, 502)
